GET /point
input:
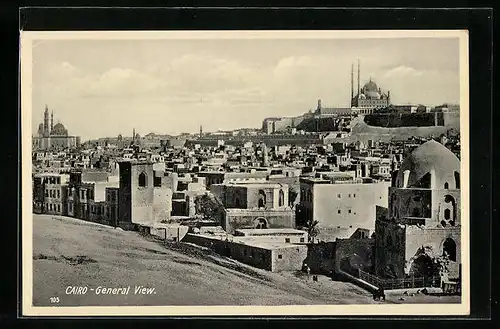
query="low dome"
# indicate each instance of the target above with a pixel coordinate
(59, 130)
(431, 165)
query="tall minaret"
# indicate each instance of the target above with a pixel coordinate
(52, 123)
(46, 122)
(358, 76)
(352, 83)
(133, 135)
(201, 131)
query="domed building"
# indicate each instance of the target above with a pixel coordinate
(369, 97)
(53, 137)
(423, 221)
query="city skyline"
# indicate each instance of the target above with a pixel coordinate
(174, 86)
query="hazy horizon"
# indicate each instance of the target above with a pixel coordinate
(102, 88)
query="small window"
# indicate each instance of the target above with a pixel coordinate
(157, 181)
(446, 186)
(349, 195)
(142, 180)
(447, 214)
(301, 239)
(338, 195)
(338, 211)
(287, 240)
(280, 256)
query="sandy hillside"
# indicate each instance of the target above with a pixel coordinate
(70, 252)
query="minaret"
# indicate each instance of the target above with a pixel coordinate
(46, 122)
(201, 131)
(133, 135)
(352, 84)
(358, 76)
(52, 123)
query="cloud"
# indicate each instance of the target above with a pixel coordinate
(402, 72)
(180, 93)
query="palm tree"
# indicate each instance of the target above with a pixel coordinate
(312, 229)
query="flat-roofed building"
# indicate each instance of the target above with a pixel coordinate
(340, 203)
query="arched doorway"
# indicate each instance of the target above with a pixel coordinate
(260, 223)
(422, 266)
(450, 249)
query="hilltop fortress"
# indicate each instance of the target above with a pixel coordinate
(370, 105)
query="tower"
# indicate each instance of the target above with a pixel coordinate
(52, 122)
(201, 131)
(358, 76)
(46, 122)
(423, 219)
(352, 82)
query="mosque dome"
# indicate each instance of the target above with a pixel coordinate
(59, 130)
(40, 129)
(370, 86)
(431, 165)
(372, 94)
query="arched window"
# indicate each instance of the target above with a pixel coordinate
(446, 186)
(281, 198)
(262, 199)
(450, 214)
(143, 180)
(450, 249)
(457, 179)
(261, 223)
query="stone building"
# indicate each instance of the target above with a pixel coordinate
(144, 196)
(423, 220)
(254, 205)
(50, 136)
(369, 97)
(340, 203)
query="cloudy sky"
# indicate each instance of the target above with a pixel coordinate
(108, 87)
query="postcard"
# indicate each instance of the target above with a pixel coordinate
(208, 173)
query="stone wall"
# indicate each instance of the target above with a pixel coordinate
(321, 257)
(246, 218)
(348, 205)
(389, 249)
(433, 238)
(405, 120)
(288, 259)
(353, 254)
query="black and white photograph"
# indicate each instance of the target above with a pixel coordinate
(245, 173)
